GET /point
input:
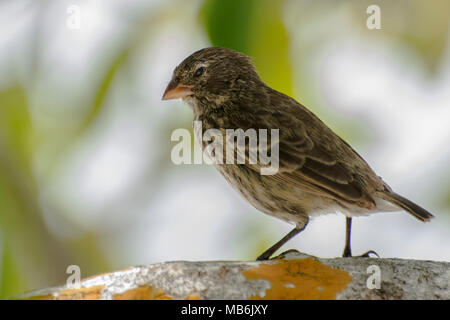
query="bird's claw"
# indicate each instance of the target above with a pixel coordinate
(364, 255)
(367, 254)
(280, 256)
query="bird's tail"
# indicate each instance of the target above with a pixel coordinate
(407, 205)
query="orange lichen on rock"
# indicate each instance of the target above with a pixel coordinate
(306, 279)
(148, 293)
(94, 293)
(91, 293)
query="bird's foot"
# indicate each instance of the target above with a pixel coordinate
(348, 254)
(264, 256)
(283, 255)
(280, 256)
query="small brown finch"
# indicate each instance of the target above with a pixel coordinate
(318, 171)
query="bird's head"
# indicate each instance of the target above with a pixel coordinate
(211, 75)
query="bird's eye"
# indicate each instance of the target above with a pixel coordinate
(199, 72)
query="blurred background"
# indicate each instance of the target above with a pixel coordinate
(85, 172)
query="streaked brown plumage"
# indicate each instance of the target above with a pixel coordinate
(318, 171)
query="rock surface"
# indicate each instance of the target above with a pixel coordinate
(295, 276)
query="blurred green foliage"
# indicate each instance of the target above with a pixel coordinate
(15, 134)
(255, 28)
(30, 255)
(103, 89)
(15, 125)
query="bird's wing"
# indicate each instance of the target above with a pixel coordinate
(313, 158)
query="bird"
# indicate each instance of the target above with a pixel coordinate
(318, 172)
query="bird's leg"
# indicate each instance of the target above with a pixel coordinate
(348, 231)
(348, 249)
(269, 252)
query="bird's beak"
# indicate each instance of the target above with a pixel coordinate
(176, 90)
